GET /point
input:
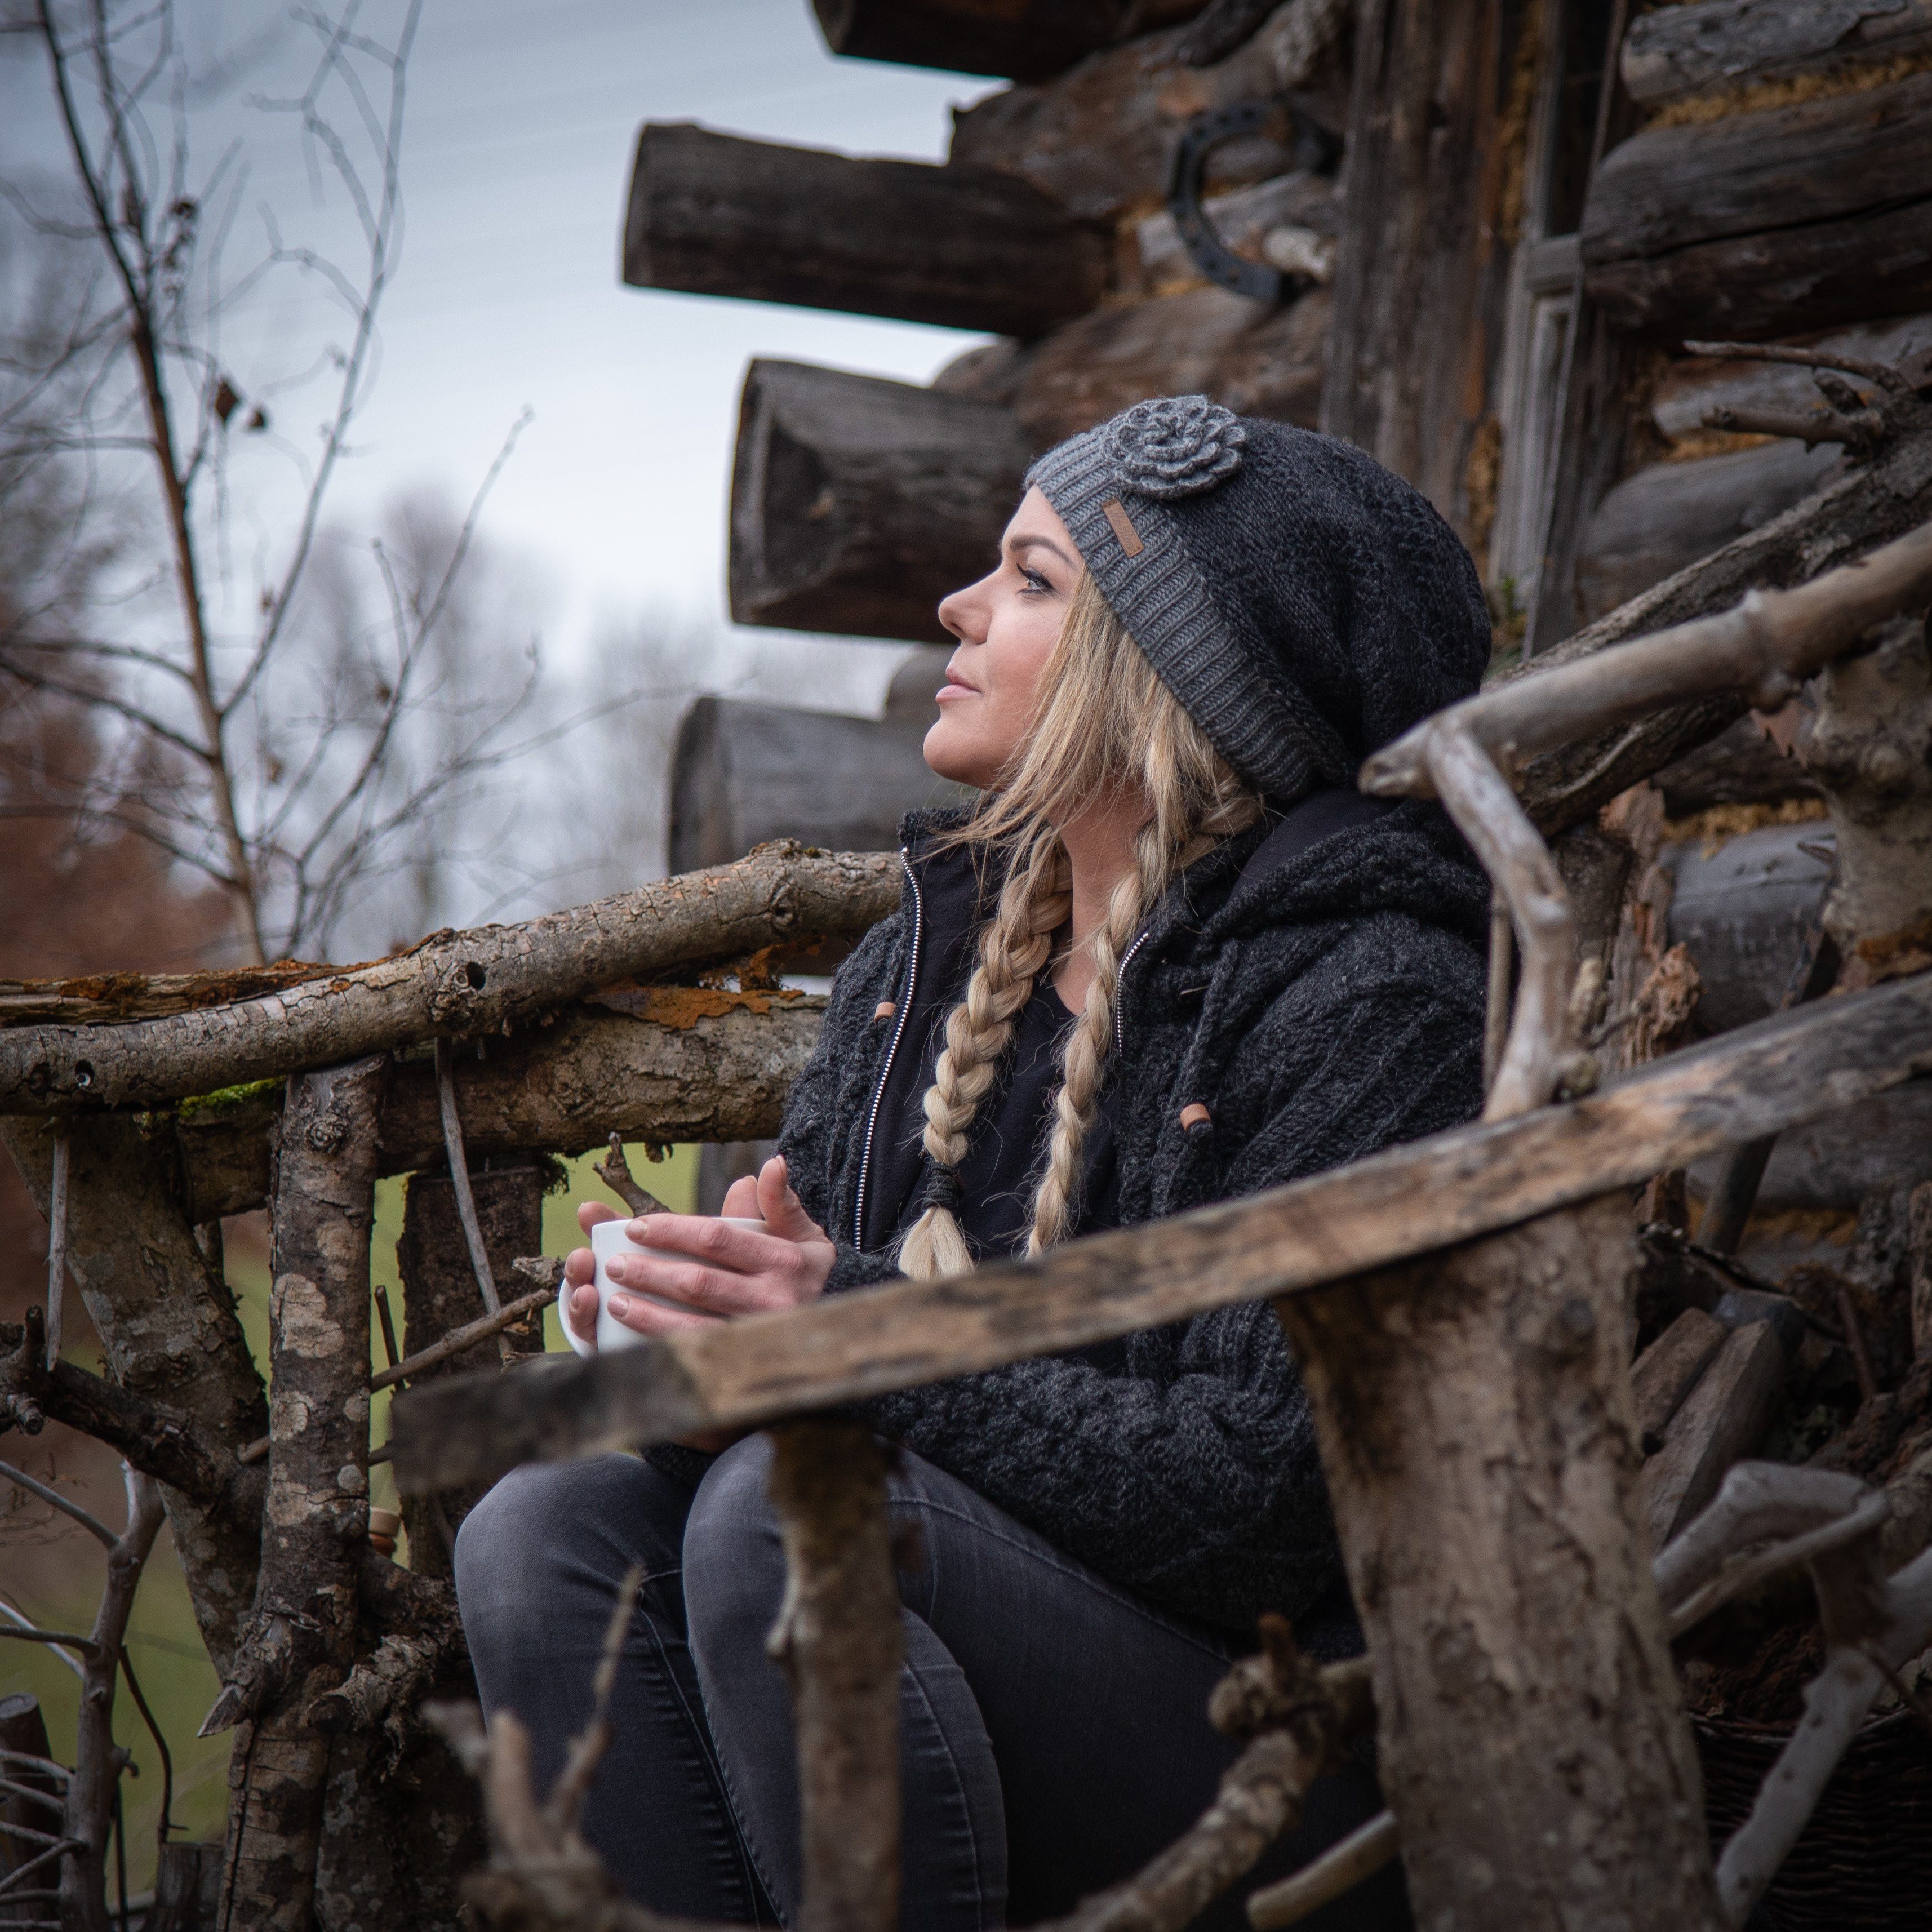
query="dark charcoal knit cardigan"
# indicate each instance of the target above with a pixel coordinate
(1322, 1000)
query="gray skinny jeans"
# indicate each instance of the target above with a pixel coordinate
(1054, 1729)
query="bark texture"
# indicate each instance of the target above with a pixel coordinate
(1418, 280)
(440, 1294)
(167, 1326)
(1477, 1431)
(682, 1063)
(1764, 224)
(301, 1640)
(964, 248)
(857, 503)
(1391, 1208)
(840, 1639)
(1873, 504)
(1678, 51)
(455, 984)
(1033, 40)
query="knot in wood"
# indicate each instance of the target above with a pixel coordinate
(1280, 1690)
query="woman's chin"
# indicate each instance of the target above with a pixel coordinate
(951, 761)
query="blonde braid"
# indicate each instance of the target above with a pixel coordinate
(1084, 1060)
(1104, 724)
(1015, 944)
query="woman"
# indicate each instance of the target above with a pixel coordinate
(1171, 958)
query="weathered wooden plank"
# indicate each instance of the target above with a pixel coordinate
(1722, 1421)
(1667, 1371)
(454, 984)
(1031, 41)
(1100, 139)
(1405, 1202)
(1766, 224)
(744, 774)
(1666, 516)
(858, 503)
(1673, 52)
(1418, 280)
(1473, 1414)
(1207, 340)
(964, 248)
(711, 1065)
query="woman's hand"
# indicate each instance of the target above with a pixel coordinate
(721, 1271)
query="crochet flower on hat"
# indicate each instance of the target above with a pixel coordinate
(1176, 446)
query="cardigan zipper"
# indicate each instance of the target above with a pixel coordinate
(892, 1048)
(1120, 980)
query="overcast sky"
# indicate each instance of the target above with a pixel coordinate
(521, 116)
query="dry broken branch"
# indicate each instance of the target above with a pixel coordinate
(1759, 650)
(1340, 1868)
(614, 1171)
(1297, 1719)
(454, 984)
(1406, 1201)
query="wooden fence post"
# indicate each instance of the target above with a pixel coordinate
(839, 1636)
(301, 1641)
(1478, 1432)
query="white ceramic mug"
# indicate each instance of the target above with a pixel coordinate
(608, 1238)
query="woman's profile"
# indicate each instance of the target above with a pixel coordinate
(1171, 957)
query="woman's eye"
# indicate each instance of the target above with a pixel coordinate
(1033, 582)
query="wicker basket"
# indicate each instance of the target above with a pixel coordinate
(1864, 1860)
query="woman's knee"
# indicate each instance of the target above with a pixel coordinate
(548, 1525)
(734, 1561)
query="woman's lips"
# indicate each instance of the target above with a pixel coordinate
(955, 687)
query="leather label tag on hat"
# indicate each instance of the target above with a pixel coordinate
(1122, 527)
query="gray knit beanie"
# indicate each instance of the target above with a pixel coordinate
(1304, 604)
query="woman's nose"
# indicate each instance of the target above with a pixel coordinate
(962, 614)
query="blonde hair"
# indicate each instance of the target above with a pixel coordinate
(1104, 725)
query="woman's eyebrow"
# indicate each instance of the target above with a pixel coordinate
(1016, 544)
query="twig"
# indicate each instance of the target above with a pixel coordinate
(565, 1802)
(459, 1175)
(57, 1250)
(1502, 965)
(614, 1171)
(1882, 374)
(388, 1324)
(68, 1640)
(1296, 1719)
(454, 1343)
(13, 1879)
(47, 1495)
(1524, 875)
(1855, 1340)
(165, 1825)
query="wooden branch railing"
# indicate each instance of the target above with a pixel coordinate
(1761, 650)
(1430, 1194)
(458, 984)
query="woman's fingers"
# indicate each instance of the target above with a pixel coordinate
(580, 1306)
(783, 1212)
(589, 1213)
(653, 1318)
(579, 1266)
(715, 1291)
(705, 1238)
(741, 1198)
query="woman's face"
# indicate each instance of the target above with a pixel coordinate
(1007, 625)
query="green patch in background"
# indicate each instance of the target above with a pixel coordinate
(162, 1641)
